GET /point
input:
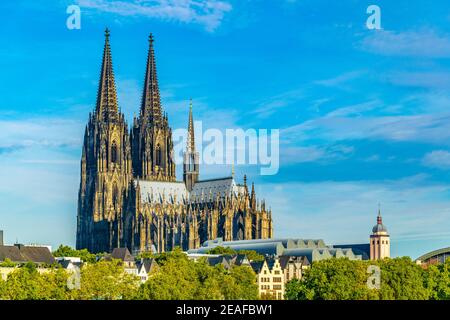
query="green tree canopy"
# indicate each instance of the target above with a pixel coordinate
(106, 280)
(84, 254)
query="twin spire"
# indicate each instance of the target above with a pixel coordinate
(151, 111)
(151, 100)
(107, 105)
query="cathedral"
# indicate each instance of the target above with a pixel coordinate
(129, 196)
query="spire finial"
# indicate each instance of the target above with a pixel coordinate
(379, 219)
(107, 33)
(232, 170)
(151, 39)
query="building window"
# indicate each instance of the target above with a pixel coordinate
(158, 155)
(277, 279)
(114, 153)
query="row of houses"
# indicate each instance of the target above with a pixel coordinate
(285, 259)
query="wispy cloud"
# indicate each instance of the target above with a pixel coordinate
(282, 100)
(319, 154)
(425, 43)
(341, 81)
(428, 80)
(437, 159)
(47, 132)
(208, 13)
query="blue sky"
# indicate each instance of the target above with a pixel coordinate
(364, 115)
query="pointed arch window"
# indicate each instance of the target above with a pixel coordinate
(115, 197)
(114, 153)
(158, 155)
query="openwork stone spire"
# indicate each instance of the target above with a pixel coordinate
(151, 101)
(107, 107)
(191, 136)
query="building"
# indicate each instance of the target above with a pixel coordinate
(380, 243)
(126, 257)
(129, 196)
(71, 264)
(293, 267)
(20, 254)
(434, 257)
(312, 250)
(270, 278)
(145, 268)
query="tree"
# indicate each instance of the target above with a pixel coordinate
(332, 279)
(402, 279)
(106, 280)
(29, 283)
(83, 254)
(179, 278)
(252, 255)
(438, 281)
(221, 250)
(7, 263)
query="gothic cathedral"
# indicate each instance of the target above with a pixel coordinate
(129, 195)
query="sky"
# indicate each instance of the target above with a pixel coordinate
(364, 115)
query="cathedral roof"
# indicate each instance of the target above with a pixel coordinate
(216, 187)
(176, 192)
(160, 191)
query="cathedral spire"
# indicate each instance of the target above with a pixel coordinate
(191, 136)
(107, 107)
(151, 101)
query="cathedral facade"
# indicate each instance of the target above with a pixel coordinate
(129, 195)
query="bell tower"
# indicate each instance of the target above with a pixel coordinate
(106, 167)
(151, 136)
(380, 243)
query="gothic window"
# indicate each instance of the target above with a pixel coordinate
(115, 197)
(158, 155)
(114, 153)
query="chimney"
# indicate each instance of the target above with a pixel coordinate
(1, 237)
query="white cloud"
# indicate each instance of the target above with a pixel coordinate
(342, 124)
(425, 43)
(47, 132)
(437, 159)
(208, 13)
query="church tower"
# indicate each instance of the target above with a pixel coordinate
(106, 167)
(380, 243)
(151, 136)
(191, 157)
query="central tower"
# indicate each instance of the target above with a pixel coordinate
(151, 136)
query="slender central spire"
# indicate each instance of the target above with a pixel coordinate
(151, 101)
(107, 108)
(190, 137)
